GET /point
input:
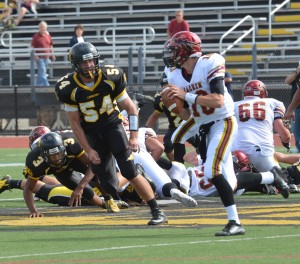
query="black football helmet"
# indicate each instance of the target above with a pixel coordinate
(84, 51)
(52, 149)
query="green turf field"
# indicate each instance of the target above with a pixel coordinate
(91, 235)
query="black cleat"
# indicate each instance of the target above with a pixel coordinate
(232, 229)
(158, 217)
(279, 182)
(4, 183)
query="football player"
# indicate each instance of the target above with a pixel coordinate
(174, 151)
(150, 151)
(193, 181)
(258, 116)
(64, 159)
(91, 95)
(55, 193)
(200, 82)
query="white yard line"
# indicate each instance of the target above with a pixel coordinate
(146, 246)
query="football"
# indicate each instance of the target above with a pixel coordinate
(174, 105)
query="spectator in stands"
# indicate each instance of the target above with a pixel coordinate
(14, 6)
(27, 6)
(8, 22)
(228, 81)
(293, 111)
(78, 35)
(177, 24)
(42, 40)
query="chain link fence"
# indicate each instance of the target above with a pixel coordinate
(24, 107)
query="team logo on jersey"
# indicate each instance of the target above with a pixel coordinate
(192, 87)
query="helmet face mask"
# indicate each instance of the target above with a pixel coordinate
(52, 149)
(82, 52)
(182, 46)
(255, 88)
(57, 159)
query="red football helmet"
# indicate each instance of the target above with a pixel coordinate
(240, 161)
(181, 47)
(36, 133)
(255, 88)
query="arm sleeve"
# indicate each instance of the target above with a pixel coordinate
(217, 85)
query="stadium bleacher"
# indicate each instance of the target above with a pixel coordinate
(207, 20)
(277, 54)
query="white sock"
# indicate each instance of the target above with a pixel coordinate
(232, 213)
(267, 177)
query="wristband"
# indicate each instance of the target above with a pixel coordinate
(191, 98)
(133, 123)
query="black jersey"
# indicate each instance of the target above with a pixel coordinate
(173, 119)
(36, 166)
(97, 104)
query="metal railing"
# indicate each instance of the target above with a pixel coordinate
(272, 12)
(246, 33)
(111, 37)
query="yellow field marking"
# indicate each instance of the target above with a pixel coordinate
(257, 215)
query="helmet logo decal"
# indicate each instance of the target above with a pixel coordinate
(53, 150)
(87, 56)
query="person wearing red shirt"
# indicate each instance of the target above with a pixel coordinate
(177, 24)
(43, 45)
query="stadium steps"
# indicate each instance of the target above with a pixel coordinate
(260, 45)
(295, 5)
(243, 58)
(275, 31)
(287, 18)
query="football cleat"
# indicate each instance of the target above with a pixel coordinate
(293, 174)
(183, 198)
(294, 188)
(158, 217)
(4, 183)
(279, 182)
(232, 229)
(122, 204)
(270, 189)
(111, 206)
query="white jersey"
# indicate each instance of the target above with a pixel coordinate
(143, 157)
(255, 118)
(200, 186)
(193, 181)
(206, 69)
(145, 132)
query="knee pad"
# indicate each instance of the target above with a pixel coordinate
(127, 169)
